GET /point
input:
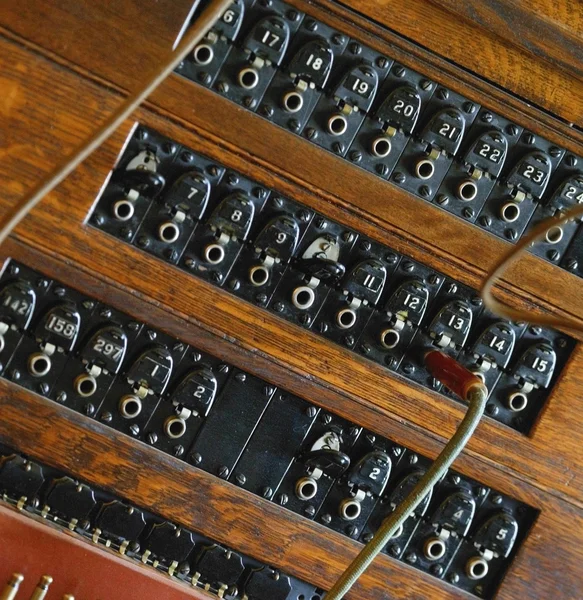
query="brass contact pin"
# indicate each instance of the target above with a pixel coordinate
(11, 589)
(42, 587)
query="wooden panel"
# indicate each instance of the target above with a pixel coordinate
(549, 30)
(262, 529)
(126, 39)
(448, 245)
(481, 52)
(55, 228)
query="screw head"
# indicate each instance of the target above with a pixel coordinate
(399, 177)
(266, 110)
(382, 170)
(311, 133)
(408, 369)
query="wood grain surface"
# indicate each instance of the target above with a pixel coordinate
(493, 52)
(57, 436)
(55, 227)
(62, 71)
(549, 30)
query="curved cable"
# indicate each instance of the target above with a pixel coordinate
(477, 395)
(511, 256)
(203, 23)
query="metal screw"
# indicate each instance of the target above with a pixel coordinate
(425, 191)
(282, 499)
(356, 156)
(510, 233)
(355, 48)
(528, 138)
(234, 284)
(338, 147)
(408, 369)
(453, 577)
(399, 177)
(408, 266)
(442, 200)
(326, 519)
(442, 94)
(351, 531)
(571, 264)
(135, 429)
(223, 472)
(511, 129)
(311, 133)
(195, 458)
(309, 511)
(487, 117)
(570, 160)
(312, 26)
(398, 71)
(152, 438)
(425, 84)
(267, 492)
(240, 377)
(468, 212)
(411, 557)
(469, 107)
(491, 409)
(382, 62)
(555, 152)
(61, 396)
(553, 255)
(382, 170)
(240, 479)
(485, 221)
(311, 411)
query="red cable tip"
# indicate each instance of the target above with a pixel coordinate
(451, 373)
